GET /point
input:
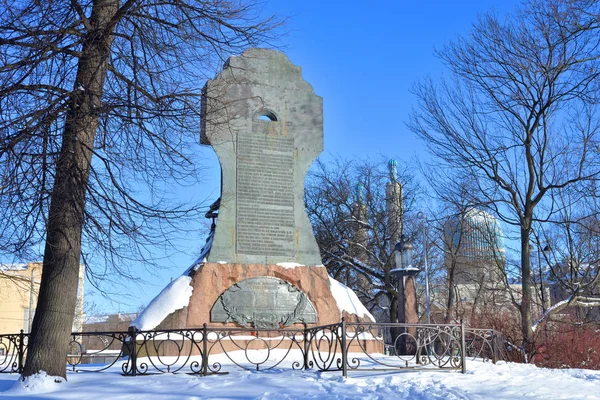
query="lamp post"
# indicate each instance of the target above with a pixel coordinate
(547, 250)
(403, 251)
(423, 218)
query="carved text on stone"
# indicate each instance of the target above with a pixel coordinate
(265, 202)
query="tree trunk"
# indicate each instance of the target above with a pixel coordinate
(450, 304)
(526, 290)
(53, 321)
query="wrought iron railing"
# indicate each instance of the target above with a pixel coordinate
(486, 344)
(339, 347)
(12, 352)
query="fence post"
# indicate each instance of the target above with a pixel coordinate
(344, 350)
(306, 346)
(204, 350)
(463, 348)
(21, 351)
(133, 356)
(419, 333)
(494, 348)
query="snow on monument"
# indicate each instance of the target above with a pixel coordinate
(261, 265)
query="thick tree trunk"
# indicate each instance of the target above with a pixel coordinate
(53, 321)
(526, 290)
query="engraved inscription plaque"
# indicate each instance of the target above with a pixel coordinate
(263, 302)
(265, 199)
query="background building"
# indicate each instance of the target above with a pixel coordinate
(475, 261)
(108, 322)
(19, 287)
(474, 247)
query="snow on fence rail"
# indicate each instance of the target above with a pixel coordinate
(339, 347)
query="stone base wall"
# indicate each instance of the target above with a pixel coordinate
(212, 279)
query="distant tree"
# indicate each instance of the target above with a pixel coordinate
(346, 203)
(99, 114)
(518, 116)
(568, 260)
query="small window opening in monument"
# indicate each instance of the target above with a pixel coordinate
(267, 116)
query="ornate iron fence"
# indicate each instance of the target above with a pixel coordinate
(12, 352)
(341, 347)
(487, 344)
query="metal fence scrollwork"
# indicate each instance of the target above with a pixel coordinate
(486, 344)
(342, 347)
(12, 352)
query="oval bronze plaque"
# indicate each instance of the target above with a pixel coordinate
(263, 302)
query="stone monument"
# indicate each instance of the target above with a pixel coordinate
(266, 125)
(261, 265)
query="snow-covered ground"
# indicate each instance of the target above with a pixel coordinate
(482, 381)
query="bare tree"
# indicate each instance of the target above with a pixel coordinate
(569, 259)
(99, 114)
(517, 118)
(346, 203)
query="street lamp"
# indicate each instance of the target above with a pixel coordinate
(403, 251)
(422, 217)
(547, 250)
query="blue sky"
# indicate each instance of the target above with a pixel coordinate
(362, 58)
